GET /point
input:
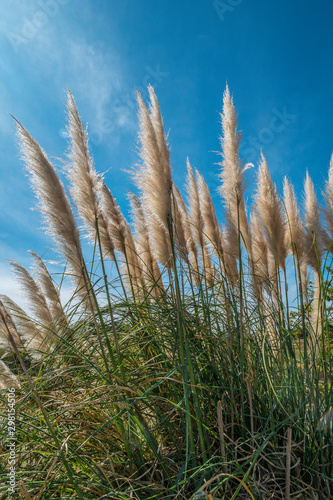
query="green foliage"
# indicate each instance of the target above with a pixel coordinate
(199, 382)
(142, 420)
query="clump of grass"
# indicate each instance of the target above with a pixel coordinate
(177, 374)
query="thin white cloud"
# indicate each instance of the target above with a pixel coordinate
(58, 55)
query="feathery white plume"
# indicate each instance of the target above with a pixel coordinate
(84, 181)
(151, 272)
(211, 226)
(196, 219)
(316, 238)
(120, 233)
(232, 188)
(294, 226)
(33, 340)
(269, 210)
(50, 291)
(7, 377)
(328, 195)
(190, 248)
(54, 205)
(153, 178)
(7, 325)
(33, 294)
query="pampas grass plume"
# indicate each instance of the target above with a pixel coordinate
(269, 210)
(84, 180)
(54, 205)
(153, 177)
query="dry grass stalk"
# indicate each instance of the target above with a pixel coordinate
(249, 392)
(178, 226)
(328, 195)
(121, 234)
(32, 338)
(153, 177)
(231, 252)
(269, 210)
(305, 277)
(84, 181)
(54, 206)
(288, 463)
(7, 377)
(194, 206)
(295, 232)
(24, 490)
(213, 231)
(315, 242)
(197, 221)
(295, 235)
(151, 272)
(117, 225)
(232, 175)
(183, 226)
(34, 295)
(316, 239)
(50, 291)
(221, 434)
(157, 122)
(260, 273)
(316, 315)
(7, 324)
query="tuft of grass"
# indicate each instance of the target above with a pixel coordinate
(178, 374)
(177, 402)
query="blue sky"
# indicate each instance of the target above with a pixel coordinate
(275, 56)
